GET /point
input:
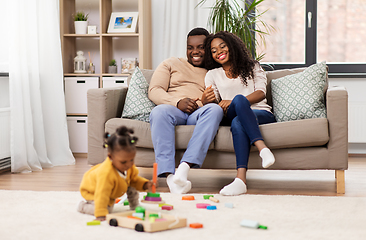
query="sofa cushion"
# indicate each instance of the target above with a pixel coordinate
(137, 105)
(142, 130)
(278, 74)
(283, 134)
(300, 95)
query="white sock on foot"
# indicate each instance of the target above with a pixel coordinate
(267, 157)
(174, 188)
(237, 187)
(180, 176)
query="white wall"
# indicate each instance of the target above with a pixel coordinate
(4, 41)
(171, 22)
(356, 97)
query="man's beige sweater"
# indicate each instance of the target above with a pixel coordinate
(175, 79)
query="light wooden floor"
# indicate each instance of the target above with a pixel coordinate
(268, 182)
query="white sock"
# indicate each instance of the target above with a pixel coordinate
(267, 157)
(237, 187)
(174, 188)
(180, 176)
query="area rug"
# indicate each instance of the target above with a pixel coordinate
(53, 215)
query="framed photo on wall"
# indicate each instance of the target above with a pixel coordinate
(121, 22)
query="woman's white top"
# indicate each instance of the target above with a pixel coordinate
(227, 88)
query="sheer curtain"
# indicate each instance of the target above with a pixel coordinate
(39, 137)
(171, 22)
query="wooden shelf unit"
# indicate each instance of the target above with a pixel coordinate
(105, 40)
(103, 47)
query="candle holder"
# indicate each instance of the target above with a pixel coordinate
(80, 62)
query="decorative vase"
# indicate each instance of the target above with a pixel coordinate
(112, 69)
(81, 27)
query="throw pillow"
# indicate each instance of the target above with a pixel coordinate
(137, 105)
(300, 95)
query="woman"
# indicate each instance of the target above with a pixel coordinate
(239, 85)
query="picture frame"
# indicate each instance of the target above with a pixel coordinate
(122, 22)
(128, 65)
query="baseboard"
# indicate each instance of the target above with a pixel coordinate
(356, 148)
(360, 155)
(80, 155)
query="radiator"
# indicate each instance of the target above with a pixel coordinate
(4, 133)
(356, 122)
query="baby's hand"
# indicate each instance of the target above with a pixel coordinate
(100, 218)
(148, 185)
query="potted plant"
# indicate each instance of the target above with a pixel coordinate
(112, 66)
(229, 15)
(80, 22)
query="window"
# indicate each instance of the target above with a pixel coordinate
(286, 43)
(310, 31)
(342, 31)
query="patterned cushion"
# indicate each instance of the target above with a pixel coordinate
(300, 95)
(137, 105)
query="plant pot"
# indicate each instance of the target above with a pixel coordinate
(112, 69)
(80, 27)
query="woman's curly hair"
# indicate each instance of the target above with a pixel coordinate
(241, 59)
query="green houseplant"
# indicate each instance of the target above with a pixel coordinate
(229, 15)
(112, 68)
(80, 22)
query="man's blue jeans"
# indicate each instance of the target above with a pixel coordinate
(245, 127)
(164, 118)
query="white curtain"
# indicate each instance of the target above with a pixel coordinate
(39, 137)
(171, 22)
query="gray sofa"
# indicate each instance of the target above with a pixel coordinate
(309, 144)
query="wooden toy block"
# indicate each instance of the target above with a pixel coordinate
(150, 194)
(153, 202)
(166, 222)
(214, 199)
(251, 224)
(196, 225)
(167, 207)
(153, 198)
(156, 199)
(229, 205)
(164, 204)
(188, 197)
(207, 196)
(211, 207)
(93, 223)
(155, 175)
(202, 205)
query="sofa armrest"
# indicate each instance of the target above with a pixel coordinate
(337, 114)
(103, 104)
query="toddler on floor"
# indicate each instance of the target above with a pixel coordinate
(105, 182)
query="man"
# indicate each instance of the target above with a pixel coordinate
(178, 89)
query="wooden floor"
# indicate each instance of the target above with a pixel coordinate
(268, 182)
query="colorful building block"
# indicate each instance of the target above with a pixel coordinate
(229, 205)
(202, 205)
(251, 224)
(196, 225)
(214, 199)
(92, 223)
(207, 196)
(188, 197)
(167, 207)
(153, 199)
(211, 207)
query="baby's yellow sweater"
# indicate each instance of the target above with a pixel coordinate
(102, 184)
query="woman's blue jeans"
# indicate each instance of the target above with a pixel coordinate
(245, 127)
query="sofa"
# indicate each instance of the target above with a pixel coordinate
(307, 144)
